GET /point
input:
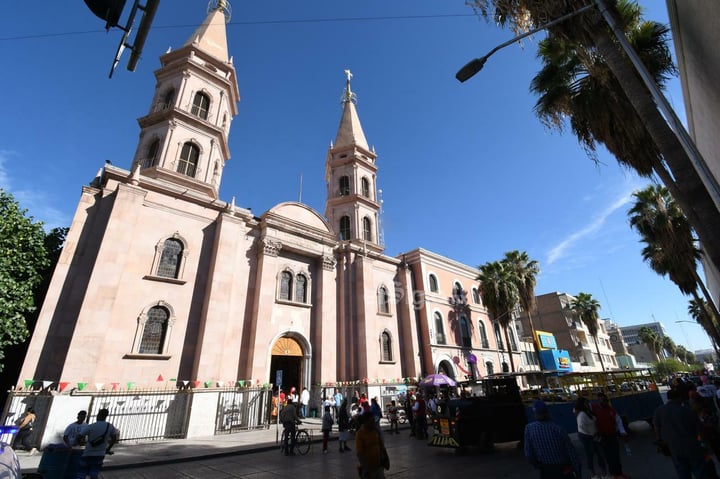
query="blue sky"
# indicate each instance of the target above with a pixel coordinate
(467, 170)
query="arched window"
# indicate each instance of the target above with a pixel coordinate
(476, 296)
(465, 337)
(505, 367)
(490, 368)
(285, 286)
(188, 159)
(344, 186)
(383, 300)
(439, 329)
(433, 283)
(153, 154)
(153, 335)
(498, 336)
(365, 187)
(386, 346)
(459, 294)
(367, 229)
(170, 259)
(345, 228)
(169, 98)
(201, 105)
(301, 288)
(483, 334)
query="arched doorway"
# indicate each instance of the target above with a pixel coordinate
(446, 369)
(287, 356)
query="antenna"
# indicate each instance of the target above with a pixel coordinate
(300, 196)
(381, 228)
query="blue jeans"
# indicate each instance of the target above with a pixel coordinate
(593, 448)
(90, 466)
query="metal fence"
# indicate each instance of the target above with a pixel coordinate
(243, 409)
(145, 414)
(153, 414)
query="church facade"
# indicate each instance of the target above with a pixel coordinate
(160, 278)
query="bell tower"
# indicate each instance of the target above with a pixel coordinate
(352, 205)
(184, 136)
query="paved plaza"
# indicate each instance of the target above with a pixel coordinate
(255, 455)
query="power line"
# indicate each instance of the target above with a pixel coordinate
(256, 22)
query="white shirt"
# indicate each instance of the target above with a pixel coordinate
(305, 397)
(586, 424)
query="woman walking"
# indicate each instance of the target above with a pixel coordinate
(587, 433)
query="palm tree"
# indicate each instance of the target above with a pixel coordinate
(525, 272)
(586, 309)
(652, 340)
(670, 246)
(681, 353)
(699, 310)
(499, 293)
(669, 346)
(589, 48)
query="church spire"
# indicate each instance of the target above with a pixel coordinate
(350, 131)
(211, 35)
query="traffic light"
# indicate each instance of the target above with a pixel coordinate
(108, 10)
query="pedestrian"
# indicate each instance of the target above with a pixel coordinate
(327, 424)
(609, 428)
(289, 419)
(304, 401)
(101, 435)
(677, 427)
(419, 410)
(338, 402)
(376, 411)
(408, 404)
(369, 449)
(72, 436)
(392, 412)
(343, 425)
(25, 424)
(548, 446)
(587, 433)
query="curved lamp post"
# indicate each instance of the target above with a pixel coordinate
(698, 162)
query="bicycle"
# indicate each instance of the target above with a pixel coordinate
(302, 441)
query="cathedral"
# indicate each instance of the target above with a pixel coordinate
(162, 279)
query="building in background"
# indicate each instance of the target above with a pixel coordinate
(623, 356)
(696, 36)
(637, 348)
(553, 314)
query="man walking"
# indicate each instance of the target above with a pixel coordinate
(304, 401)
(101, 435)
(548, 447)
(678, 427)
(71, 436)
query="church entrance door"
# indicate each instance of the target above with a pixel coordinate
(287, 356)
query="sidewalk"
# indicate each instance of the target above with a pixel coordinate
(159, 452)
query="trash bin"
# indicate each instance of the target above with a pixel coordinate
(59, 462)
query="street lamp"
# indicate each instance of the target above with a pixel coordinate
(698, 162)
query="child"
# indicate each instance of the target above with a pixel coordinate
(327, 423)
